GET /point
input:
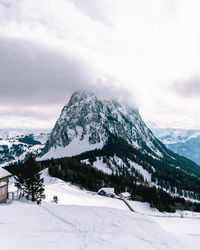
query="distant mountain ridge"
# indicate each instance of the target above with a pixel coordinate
(13, 133)
(15, 144)
(185, 142)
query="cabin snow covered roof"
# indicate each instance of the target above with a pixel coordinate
(107, 190)
(125, 194)
(4, 173)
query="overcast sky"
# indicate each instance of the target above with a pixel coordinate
(146, 53)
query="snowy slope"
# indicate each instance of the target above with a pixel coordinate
(62, 227)
(115, 164)
(86, 221)
(76, 147)
(71, 195)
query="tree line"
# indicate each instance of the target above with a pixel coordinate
(85, 176)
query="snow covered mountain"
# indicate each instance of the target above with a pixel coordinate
(113, 138)
(85, 124)
(185, 142)
(15, 144)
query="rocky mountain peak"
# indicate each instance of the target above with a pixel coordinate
(82, 96)
(86, 122)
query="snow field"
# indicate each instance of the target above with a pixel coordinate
(83, 220)
(50, 226)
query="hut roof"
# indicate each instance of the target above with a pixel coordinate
(4, 173)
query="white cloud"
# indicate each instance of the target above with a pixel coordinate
(143, 46)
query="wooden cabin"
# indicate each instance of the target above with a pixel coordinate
(109, 192)
(125, 195)
(4, 175)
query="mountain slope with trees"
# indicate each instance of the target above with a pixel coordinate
(113, 138)
(96, 143)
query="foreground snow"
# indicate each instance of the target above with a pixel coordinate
(50, 226)
(83, 220)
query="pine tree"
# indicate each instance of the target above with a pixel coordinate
(29, 180)
(20, 181)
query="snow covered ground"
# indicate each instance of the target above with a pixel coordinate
(83, 220)
(71, 195)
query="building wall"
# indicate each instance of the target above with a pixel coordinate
(4, 190)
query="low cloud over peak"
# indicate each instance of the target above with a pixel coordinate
(36, 82)
(188, 88)
(34, 75)
(49, 49)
